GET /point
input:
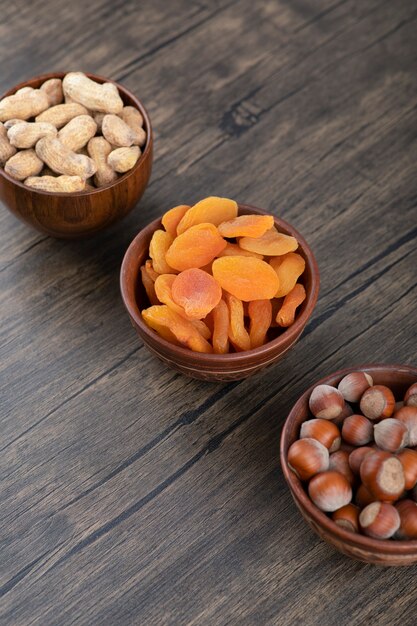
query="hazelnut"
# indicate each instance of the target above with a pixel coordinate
(357, 456)
(347, 517)
(407, 510)
(329, 491)
(408, 460)
(326, 402)
(357, 430)
(339, 462)
(408, 416)
(322, 430)
(307, 457)
(377, 402)
(379, 520)
(364, 497)
(391, 434)
(410, 398)
(383, 475)
(353, 385)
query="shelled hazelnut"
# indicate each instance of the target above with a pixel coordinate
(359, 462)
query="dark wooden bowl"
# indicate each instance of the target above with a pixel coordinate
(81, 214)
(213, 367)
(380, 552)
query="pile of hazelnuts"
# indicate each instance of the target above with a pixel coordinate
(360, 462)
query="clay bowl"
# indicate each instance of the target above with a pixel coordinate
(213, 367)
(81, 214)
(359, 547)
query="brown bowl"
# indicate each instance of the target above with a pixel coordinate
(380, 552)
(213, 367)
(74, 215)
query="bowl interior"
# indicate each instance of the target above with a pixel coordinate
(135, 297)
(398, 378)
(128, 98)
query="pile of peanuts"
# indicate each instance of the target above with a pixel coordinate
(361, 463)
(69, 135)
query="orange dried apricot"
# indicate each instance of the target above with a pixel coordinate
(163, 290)
(196, 247)
(185, 332)
(212, 210)
(271, 243)
(260, 315)
(160, 243)
(172, 218)
(286, 314)
(246, 278)
(246, 226)
(221, 328)
(233, 249)
(202, 328)
(149, 285)
(289, 268)
(196, 292)
(276, 305)
(238, 334)
(151, 272)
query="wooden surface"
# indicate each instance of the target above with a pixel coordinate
(132, 495)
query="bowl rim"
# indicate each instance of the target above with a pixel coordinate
(75, 194)
(296, 487)
(289, 335)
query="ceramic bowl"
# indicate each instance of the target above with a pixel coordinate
(360, 547)
(213, 367)
(81, 214)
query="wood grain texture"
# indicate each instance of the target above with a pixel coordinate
(130, 494)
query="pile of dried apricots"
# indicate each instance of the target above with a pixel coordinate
(218, 281)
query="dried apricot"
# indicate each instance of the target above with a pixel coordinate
(149, 285)
(160, 243)
(163, 290)
(221, 328)
(202, 328)
(185, 332)
(246, 278)
(151, 272)
(172, 218)
(286, 314)
(196, 247)
(246, 226)
(276, 305)
(289, 268)
(271, 243)
(233, 249)
(196, 292)
(238, 334)
(212, 210)
(260, 315)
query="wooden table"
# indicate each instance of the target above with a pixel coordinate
(133, 495)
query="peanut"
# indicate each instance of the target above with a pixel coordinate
(23, 164)
(117, 132)
(61, 114)
(98, 118)
(56, 184)
(134, 119)
(123, 159)
(77, 133)
(23, 105)
(94, 96)
(99, 149)
(12, 122)
(26, 134)
(63, 160)
(6, 148)
(24, 90)
(53, 90)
